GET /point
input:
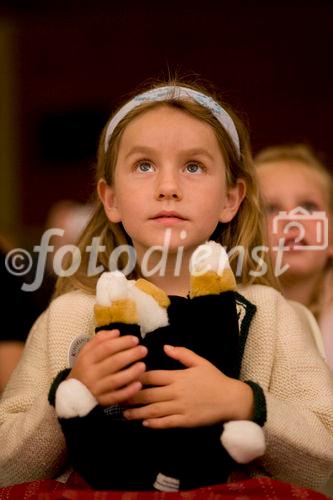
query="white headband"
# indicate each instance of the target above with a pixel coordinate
(173, 92)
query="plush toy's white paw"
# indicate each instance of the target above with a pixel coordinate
(73, 399)
(111, 286)
(243, 440)
(210, 256)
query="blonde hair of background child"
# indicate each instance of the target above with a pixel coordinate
(246, 228)
(304, 154)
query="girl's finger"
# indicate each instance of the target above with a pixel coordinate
(121, 360)
(151, 395)
(106, 347)
(100, 337)
(154, 410)
(168, 422)
(187, 357)
(118, 380)
(120, 395)
(158, 377)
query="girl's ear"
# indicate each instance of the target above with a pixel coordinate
(234, 197)
(329, 216)
(108, 197)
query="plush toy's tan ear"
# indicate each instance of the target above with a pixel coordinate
(211, 283)
(113, 301)
(120, 311)
(159, 295)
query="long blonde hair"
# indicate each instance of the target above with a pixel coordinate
(304, 154)
(246, 228)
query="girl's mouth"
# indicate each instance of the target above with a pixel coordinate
(168, 213)
(293, 244)
(168, 217)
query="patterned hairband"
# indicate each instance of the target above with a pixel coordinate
(174, 92)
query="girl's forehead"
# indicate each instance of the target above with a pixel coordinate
(166, 124)
(293, 178)
(163, 116)
(292, 173)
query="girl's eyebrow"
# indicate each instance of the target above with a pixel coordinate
(199, 152)
(186, 152)
(139, 150)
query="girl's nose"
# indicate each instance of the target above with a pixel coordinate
(168, 187)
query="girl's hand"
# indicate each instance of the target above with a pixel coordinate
(103, 366)
(196, 396)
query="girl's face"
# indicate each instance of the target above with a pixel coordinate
(286, 185)
(170, 175)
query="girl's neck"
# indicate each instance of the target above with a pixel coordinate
(301, 288)
(173, 279)
(176, 286)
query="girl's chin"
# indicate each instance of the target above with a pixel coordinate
(173, 244)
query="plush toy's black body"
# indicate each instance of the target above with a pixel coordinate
(113, 453)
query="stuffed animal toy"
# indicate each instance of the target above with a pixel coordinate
(110, 452)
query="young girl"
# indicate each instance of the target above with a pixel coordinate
(290, 177)
(172, 161)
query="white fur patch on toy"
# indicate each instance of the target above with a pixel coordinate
(244, 440)
(210, 256)
(114, 286)
(151, 314)
(73, 399)
(111, 286)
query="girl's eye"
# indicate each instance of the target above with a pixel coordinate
(271, 208)
(144, 166)
(310, 206)
(194, 168)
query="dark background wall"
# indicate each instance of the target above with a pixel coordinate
(71, 63)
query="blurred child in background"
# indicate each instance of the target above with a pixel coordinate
(292, 176)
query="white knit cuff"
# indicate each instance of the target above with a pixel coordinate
(73, 399)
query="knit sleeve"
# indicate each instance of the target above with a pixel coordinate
(32, 444)
(299, 399)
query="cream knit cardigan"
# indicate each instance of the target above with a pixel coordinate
(280, 354)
